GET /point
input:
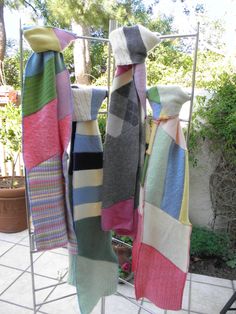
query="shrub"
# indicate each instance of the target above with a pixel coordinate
(208, 243)
(215, 119)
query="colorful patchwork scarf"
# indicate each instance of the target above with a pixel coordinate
(94, 270)
(161, 249)
(47, 118)
(125, 140)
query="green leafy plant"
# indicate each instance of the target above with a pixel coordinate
(10, 134)
(102, 125)
(208, 243)
(215, 119)
(232, 262)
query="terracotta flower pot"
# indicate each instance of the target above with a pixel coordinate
(13, 216)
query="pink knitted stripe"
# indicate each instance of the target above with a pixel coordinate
(158, 279)
(118, 216)
(137, 242)
(65, 131)
(41, 136)
(122, 69)
(64, 37)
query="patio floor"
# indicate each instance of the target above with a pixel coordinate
(203, 294)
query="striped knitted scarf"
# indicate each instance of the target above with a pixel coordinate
(94, 270)
(161, 249)
(125, 140)
(47, 115)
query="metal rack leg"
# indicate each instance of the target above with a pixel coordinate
(103, 305)
(227, 306)
(31, 243)
(140, 309)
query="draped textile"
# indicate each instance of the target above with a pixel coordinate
(47, 117)
(125, 139)
(161, 248)
(94, 271)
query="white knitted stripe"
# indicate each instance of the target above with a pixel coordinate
(92, 177)
(167, 235)
(119, 47)
(82, 103)
(149, 38)
(122, 80)
(87, 210)
(172, 98)
(114, 125)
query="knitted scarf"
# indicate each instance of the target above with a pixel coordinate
(47, 115)
(125, 139)
(94, 270)
(161, 249)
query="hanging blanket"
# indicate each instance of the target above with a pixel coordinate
(94, 271)
(161, 249)
(47, 116)
(125, 140)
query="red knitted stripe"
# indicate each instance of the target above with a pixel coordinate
(40, 136)
(122, 69)
(158, 279)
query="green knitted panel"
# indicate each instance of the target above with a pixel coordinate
(59, 62)
(94, 243)
(153, 95)
(39, 89)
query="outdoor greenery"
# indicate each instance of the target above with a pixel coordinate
(215, 119)
(206, 243)
(10, 133)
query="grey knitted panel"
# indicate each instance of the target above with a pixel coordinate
(123, 168)
(118, 104)
(124, 103)
(135, 44)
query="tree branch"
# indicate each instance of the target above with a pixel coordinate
(26, 3)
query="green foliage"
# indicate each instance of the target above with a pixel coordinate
(12, 68)
(69, 63)
(125, 239)
(99, 55)
(232, 262)
(102, 118)
(167, 65)
(10, 132)
(207, 243)
(61, 13)
(215, 119)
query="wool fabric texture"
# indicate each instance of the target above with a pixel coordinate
(161, 248)
(94, 271)
(125, 139)
(47, 117)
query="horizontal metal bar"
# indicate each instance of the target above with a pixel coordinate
(177, 36)
(51, 286)
(184, 120)
(93, 38)
(163, 37)
(122, 242)
(53, 300)
(135, 302)
(126, 282)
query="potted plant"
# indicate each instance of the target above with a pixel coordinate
(13, 216)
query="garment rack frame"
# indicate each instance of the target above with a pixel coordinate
(110, 72)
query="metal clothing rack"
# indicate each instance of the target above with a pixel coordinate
(33, 249)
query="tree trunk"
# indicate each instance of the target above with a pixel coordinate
(2, 41)
(82, 60)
